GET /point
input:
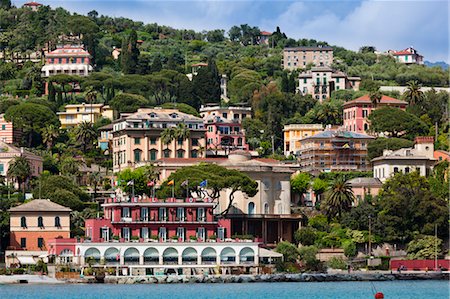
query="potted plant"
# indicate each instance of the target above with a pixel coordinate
(174, 238)
(115, 238)
(193, 238)
(134, 238)
(212, 238)
(154, 238)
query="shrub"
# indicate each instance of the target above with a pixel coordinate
(337, 263)
(289, 251)
(349, 247)
(308, 257)
(305, 236)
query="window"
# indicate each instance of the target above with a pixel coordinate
(23, 242)
(180, 153)
(162, 234)
(225, 115)
(144, 233)
(137, 155)
(166, 153)
(337, 80)
(194, 154)
(144, 214)
(152, 140)
(180, 141)
(322, 145)
(221, 233)
(266, 208)
(407, 170)
(153, 154)
(162, 214)
(40, 242)
(180, 214)
(201, 233)
(180, 233)
(40, 222)
(201, 214)
(366, 127)
(251, 208)
(3, 127)
(194, 141)
(23, 222)
(395, 169)
(137, 140)
(126, 233)
(364, 113)
(125, 212)
(57, 221)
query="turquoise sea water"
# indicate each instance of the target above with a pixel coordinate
(312, 290)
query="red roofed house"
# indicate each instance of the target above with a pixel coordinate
(264, 37)
(408, 56)
(34, 6)
(356, 111)
(67, 59)
(441, 155)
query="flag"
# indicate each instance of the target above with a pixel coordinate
(151, 184)
(130, 183)
(170, 183)
(204, 183)
(185, 183)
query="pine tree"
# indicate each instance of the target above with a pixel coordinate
(51, 92)
(130, 54)
(206, 85)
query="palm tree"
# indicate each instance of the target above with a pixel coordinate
(91, 96)
(167, 136)
(20, 170)
(151, 172)
(69, 166)
(182, 132)
(375, 98)
(85, 135)
(339, 198)
(95, 178)
(49, 134)
(328, 113)
(413, 94)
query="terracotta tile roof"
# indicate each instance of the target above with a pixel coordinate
(403, 53)
(32, 4)
(38, 205)
(365, 99)
(266, 33)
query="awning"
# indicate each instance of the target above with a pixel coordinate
(269, 253)
(26, 260)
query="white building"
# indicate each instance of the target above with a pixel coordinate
(321, 81)
(418, 158)
(408, 56)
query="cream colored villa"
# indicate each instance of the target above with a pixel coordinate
(77, 113)
(137, 137)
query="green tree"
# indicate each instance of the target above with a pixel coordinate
(308, 255)
(319, 186)
(69, 166)
(182, 133)
(85, 135)
(350, 250)
(31, 118)
(424, 248)
(288, 250)
(305, 236)
(375, 147)
(219, 178)
(396, 122)
(375, 98)
(413, 94)
(300, 183)
(340, 198)
(19, 170)
(128, 103)
(130, 54)
(206, 84)
(408, 206)
(167, 136)
(49, 134)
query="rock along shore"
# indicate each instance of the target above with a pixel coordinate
(302, 277)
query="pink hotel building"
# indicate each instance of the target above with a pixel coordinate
(358, 110)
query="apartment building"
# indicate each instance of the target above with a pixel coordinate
(137, 137)
(321, 81)
(357, 111)
(300, 57)
(8, 133)
(294, 133)
(334, 150)
(75, 114)
(69, 60)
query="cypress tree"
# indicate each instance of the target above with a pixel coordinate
(291, 83)
(130, 54)
(51, 92)
(206, 84)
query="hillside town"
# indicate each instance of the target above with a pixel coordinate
(131, 150)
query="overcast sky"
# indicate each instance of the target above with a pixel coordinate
(351, 24)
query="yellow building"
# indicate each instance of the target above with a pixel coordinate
(295, 132)
(77, 113)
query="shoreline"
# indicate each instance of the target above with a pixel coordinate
(268, 278)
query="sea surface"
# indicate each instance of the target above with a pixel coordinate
(311, 290)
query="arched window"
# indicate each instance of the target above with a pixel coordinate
(194, 153)
(40, 222)
(180, 153)
(57, 221)
(395, 169)
(153, 154)
(23, 221)
(167, 153)
(251, 208)
(266, 208)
